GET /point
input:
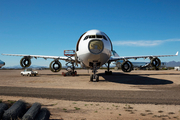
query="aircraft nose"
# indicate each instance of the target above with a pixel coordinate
(96, 46)
(4, 63)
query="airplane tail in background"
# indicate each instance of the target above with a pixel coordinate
(2, 63)
(115, 53)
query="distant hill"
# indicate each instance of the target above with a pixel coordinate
(172, 64)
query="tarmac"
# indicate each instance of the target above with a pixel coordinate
(130, 91)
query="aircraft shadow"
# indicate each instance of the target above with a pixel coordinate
(133, 79)
(162, 74)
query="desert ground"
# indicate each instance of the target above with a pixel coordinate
(142, 95)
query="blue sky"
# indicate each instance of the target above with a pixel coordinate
(44, 27)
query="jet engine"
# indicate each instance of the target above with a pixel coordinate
(25, 62)
(127, 66)
(155, 62)
(55, 66)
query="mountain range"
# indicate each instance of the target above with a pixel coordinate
(172, 64)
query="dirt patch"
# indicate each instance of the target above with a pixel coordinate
(78, 110)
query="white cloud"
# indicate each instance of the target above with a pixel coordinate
(143, 42)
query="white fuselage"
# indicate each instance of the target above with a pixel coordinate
(94, 47)
(2, 63)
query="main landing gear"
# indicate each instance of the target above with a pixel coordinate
(108, 72)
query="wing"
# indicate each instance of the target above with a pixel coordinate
(72, 59)
(136, 57)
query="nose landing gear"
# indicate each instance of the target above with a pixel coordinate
(94, 76)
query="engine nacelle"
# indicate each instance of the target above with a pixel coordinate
(155, 62)
(25, 62)
(127, 66)
(55, 66)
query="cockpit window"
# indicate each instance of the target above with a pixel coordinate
(86, 38)
(99, 36)
(95, 36)
(92, 36)
(104, 37)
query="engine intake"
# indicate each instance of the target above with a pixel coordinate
(25, 62)
(127, 66)
(55, 66)
(156, 62)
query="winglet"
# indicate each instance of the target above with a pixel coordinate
(177, 53)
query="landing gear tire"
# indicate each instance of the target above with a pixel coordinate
(97, 78)
(91, 78)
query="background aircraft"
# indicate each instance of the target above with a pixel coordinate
(93, 49)
(2, 63)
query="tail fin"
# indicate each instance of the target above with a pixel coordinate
(115, 54)
(177, 53)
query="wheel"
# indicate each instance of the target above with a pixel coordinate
(91, 78)
(97, 78)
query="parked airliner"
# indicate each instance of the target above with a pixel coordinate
(93, 49)
(2, 63)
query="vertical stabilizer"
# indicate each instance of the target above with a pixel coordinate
(115, 54)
